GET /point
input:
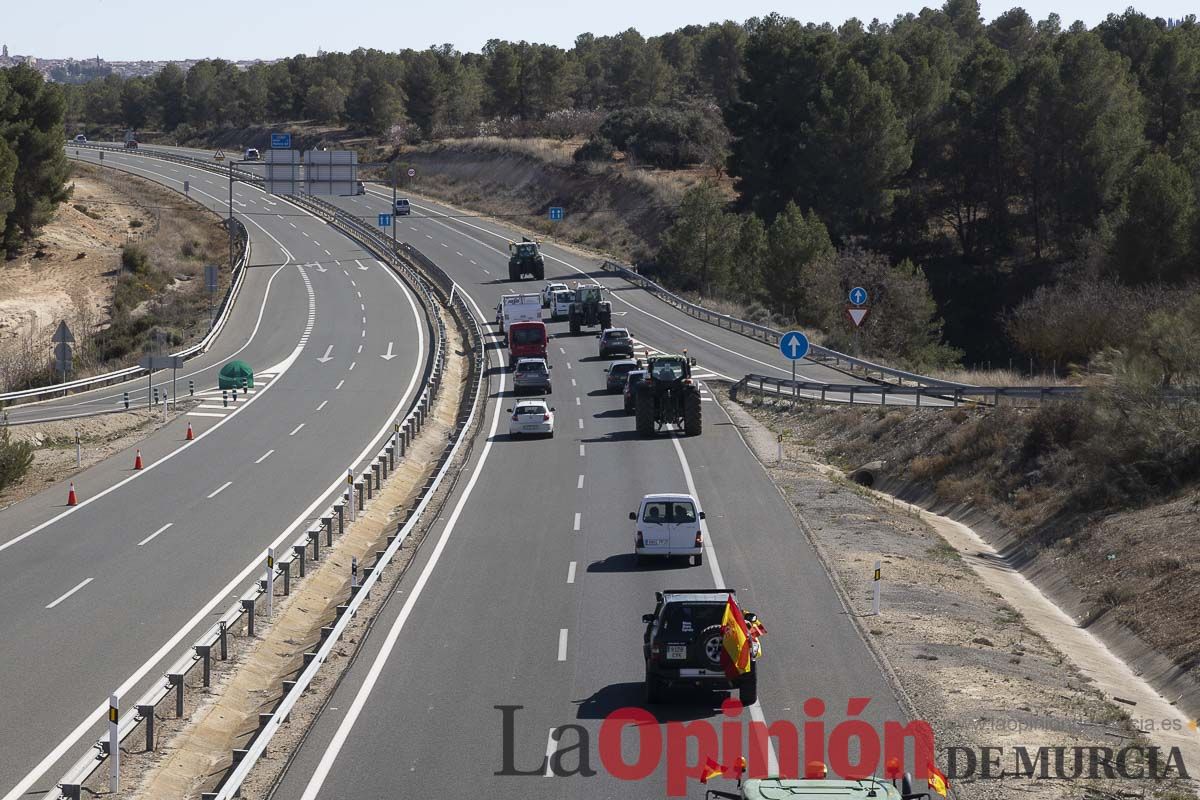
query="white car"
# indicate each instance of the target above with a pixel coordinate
(668, 525)
(560, 304)
(252, 154)
(531, 418)
(548, 292)
(81, 138)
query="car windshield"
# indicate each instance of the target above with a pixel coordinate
(526, 336)
(617, 334)
(668, 370)
(531, 366)
(691, 617)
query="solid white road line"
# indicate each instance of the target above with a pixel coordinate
(156, 533)
(579, 485)
(360, 699)
(222, 488)
(296, 429)
(264, 456)
(323, 402)
(82, 584)
(710, 558)
(571, 573)
(577, 519)
(562, 644)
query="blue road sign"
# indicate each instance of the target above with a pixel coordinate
(858, 296)
(385, 220)
(281, 141)
(556, 213)
(793, 345)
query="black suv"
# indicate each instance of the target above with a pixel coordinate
(615, 342)
(682, 644)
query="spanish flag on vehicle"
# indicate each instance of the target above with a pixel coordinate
(711, 769)
(936, 780)
(735, 649)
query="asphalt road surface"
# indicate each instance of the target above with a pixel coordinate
(106, 594)
(527, 592)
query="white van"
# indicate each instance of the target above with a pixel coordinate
(518, 308)
(668, 525)
(560, 304)
(252, 154)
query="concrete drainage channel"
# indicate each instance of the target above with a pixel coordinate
(189, 679)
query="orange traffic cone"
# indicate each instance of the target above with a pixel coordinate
(189, 433)
(71, 499)
(137, 462)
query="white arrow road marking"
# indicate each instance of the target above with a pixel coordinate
(389, 355)
(360, 264)
(326, 357)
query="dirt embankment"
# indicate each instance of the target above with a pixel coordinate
(72, 270)
(1124, 575)
(959, 651)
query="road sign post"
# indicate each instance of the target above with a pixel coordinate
(270, 580)
(794, 346)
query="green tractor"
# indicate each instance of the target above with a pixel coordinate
(668, 396)
(587, 309)
(525, 259)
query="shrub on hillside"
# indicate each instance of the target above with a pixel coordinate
(596, 148)
(15, 459)
(670, 138)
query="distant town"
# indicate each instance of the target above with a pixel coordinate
(74, 70)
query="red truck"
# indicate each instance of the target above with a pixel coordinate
(526, 340)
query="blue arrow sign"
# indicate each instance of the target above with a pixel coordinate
(385, 220)
(556, 213)
(793, 345)
(858, 296)
(281, 141)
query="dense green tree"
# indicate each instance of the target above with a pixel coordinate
(325, 101)
(170, 98)
(1153, 243)
(749, 261)
(698, 248)
(31, 125)
(796, 276)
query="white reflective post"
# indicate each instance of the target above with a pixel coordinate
(270, 580)
(875, 591)
(350, 484)
(114, 743)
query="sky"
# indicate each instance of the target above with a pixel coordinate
(126, 30)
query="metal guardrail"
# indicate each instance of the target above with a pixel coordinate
(129, 373)
(769, 335)
(395, 448)
(942, 396)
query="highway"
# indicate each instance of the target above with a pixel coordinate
(105, 594)
(527, 593)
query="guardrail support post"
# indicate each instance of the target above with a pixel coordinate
(299, 551)
(146, 712)
(391, 457)
(248, 605)
(287, 577)
(328, 523)
(920, 391)
(883, 395)
(376, 471)
(126, 398)
(223, 636)
(822, 394)
(957, 397)
(176, 680)
(358, 489)
(851, 395)
(315, 538)
(341, 512)
(70, 791)
(191, 388)
(204, 651)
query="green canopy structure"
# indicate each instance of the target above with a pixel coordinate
(235, 375)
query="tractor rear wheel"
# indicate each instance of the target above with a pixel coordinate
(514, 272)
(574, 322)
(643, 406)
(605, 320)
(692, 422)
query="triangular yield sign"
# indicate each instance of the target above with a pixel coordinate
(857, 315)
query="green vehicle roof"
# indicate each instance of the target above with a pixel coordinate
(788, 788)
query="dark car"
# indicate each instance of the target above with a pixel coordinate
(683, 641)
(618, 373)
(616, 342)
(631, 381)
(531, 375)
